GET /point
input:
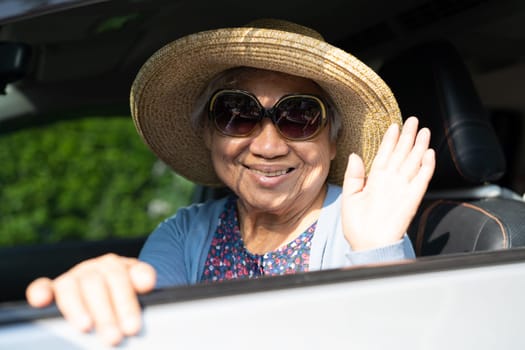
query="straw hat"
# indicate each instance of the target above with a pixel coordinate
(164, 91)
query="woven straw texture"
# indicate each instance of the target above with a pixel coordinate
(166, 87)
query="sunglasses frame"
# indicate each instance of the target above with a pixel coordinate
(268, 112)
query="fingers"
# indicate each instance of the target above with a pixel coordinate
(425, 172)
(386, 148)
(40, 292)
(405, 143)
(112, 302)
(123, 282)
(411, 164)
(354, 180)
(143, 277)
(403, 152)
(392, 191)
(69, 300)
(99, 293)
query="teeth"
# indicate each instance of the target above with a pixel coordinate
(270, 174)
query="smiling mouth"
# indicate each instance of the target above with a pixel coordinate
(272, 173)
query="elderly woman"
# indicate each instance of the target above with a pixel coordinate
(282, 119)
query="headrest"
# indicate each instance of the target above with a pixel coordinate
(431, 82)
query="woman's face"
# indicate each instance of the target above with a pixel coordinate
(268, 172)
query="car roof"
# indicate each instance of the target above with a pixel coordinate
(75, 47)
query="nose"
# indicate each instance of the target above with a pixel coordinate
(267, 142)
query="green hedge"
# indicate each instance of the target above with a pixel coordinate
(83, 179)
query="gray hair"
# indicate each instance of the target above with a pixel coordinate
(229, 79)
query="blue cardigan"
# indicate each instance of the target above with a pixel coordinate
(178, 248)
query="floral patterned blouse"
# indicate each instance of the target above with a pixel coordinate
(229, 259)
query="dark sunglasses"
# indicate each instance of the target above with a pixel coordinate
(296, 117)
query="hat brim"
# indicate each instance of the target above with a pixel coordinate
(164, 91)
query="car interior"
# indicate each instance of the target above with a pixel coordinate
(465, 209)
(457, 65)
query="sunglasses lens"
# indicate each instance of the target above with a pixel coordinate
(235, 114)
(299, 118)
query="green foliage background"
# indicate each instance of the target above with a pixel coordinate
(83, 179)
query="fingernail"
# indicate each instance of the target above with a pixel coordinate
(111, 335)
(131, 326)
(82, 322)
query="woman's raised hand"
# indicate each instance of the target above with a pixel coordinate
(100, 294)
(377, 210)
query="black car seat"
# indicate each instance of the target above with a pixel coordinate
(465, 210)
